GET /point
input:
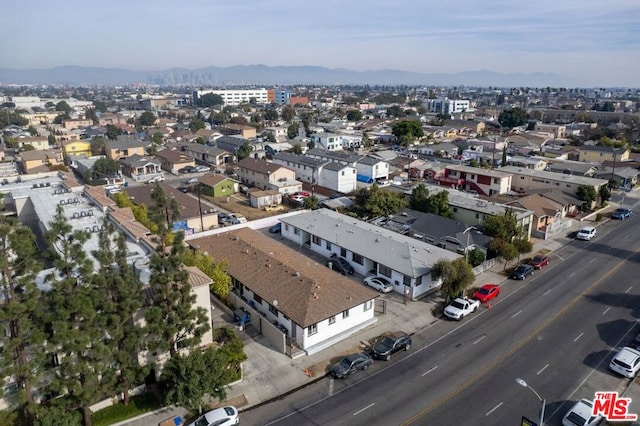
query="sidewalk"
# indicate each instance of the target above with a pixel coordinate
(269, 374)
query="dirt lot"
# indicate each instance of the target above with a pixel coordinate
(239, 203)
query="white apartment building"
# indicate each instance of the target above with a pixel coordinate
(235, 97)
(447, 106)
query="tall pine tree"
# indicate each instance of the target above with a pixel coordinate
(20, 313)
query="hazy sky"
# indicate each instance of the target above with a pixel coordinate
(596, 42)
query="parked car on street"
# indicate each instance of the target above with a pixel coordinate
(539, 261)
(222, 218)
(159, 178)
(581, 414)
(378, 283)
(187, 169)
(394, 342)
(350, 364)
(522, 272)
(302, 194)
(340, 265)
(461, 307)
(200, 169)
(626, 362)
(586, 233)
(621, 213)
(487, 293)
(235, 218)
(219, 417)
(192, 181)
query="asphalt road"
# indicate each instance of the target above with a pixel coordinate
(556, 330)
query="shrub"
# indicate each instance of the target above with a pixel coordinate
(598, 217)
(139, 404)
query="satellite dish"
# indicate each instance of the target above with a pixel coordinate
(275, 303)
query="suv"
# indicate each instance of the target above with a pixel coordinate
(586, 234)
(340, 265)
(626, 362)
(391, 344)
(522, 272)
(350, 364)
(581, 414)
(220, 416)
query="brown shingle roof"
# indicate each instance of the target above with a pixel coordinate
(306, 291)
(259, 166)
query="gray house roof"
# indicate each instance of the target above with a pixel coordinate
(126, 141)
(281, 157)
(403, 254)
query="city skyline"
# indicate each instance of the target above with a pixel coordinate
(594, 43)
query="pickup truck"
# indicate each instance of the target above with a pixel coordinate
(461, 307)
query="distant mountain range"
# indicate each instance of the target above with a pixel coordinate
(263, 75)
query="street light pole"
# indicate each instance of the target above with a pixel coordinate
(466, 248)
(613, 171)
(522, 383)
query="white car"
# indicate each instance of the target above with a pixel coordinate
(298, 198)
(626, 362)
(379, 283)
(219, 417)
(461, 307)
(199, 169)
(586, 233)
(580, 415)
(235, 218)
(159, 178)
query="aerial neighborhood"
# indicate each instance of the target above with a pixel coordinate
(149, 230)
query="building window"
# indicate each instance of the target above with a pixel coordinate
(286, 227)
(313, 329)
(343, 252)
(357, 258)
(368, 305)
(316, 240)
(477, 215)
(406, 280)
(384, 271)
(328, 245)
(345, 314)
(342, 173)
(332, 319)
(521, 177)
(10, 389)
(273, 309)
(257, 299)
(419, 280)
(455, 210)
(296, 231)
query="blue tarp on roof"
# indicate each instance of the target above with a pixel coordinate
(363, 178)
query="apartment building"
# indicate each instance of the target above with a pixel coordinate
(236, 97)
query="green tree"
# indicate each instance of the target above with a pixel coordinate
(22, 343)
(476, 257)
(210, 99)
(437, 203)
(217, 271)
(504, 226)
(147, 118)
(121, 297)
(244, 151)
(407, 131)
(287, 113)
(292, 130)
(157, 138)
(112, 131)
(504, 249)
(83, 374)
(239, 120)
(104, 168)
(513, 118)
(63, 106)
(523, 246)
(418, 198)
(196, 124)
(60, 118)
(296, 149)
(51, 139)
(54, 415)
(374, 201)
(588, 195)
(100, 106)
(311, 203)
(354, 115)
(270, 115)
(32, 131)
(456, 276)
(172, 320)
(395, 111)
(90, 114)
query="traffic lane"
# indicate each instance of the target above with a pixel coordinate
(553, 361)
(521, 318)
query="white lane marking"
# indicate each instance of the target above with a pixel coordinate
(579, 336)
(626, 236)
(494, 409)
(546, 292)
(429, 371)
(479, 339)
(628, 290)
(572, 274)
(365, 408)
(594, 258)
(516, 314)
(542, 369)
(606, 310)
(559, 257)
(331, 382)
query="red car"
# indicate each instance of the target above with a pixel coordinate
(302, 194)
(487, 292)
(539, 261)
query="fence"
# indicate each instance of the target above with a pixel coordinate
(487, 264)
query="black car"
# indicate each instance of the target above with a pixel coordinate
(391, 344)
(222, 218)
(522, 272)
(187, 169)
(350, 364)
(340, 265)
(276, 229)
